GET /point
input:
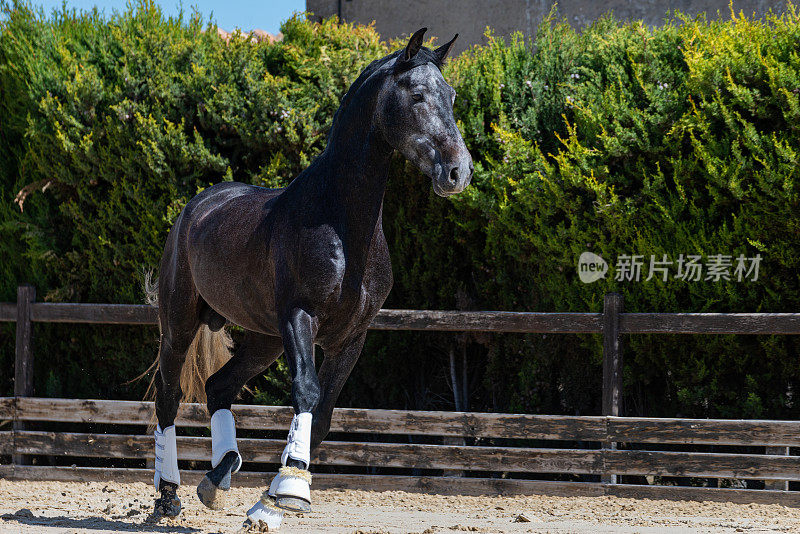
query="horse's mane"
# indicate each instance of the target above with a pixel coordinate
(425, 55)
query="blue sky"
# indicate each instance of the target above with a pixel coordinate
(265, 14)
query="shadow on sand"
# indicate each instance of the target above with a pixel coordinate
(151, 524)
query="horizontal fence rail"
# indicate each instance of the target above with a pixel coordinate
(522, 445)
(462, 321)
(424, 456)
(508, 459)
(427, 423)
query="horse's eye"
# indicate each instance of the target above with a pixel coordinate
(416, 97)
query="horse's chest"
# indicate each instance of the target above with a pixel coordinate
(375, 286)
(362, 290)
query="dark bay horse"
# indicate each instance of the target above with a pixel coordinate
(295, 267)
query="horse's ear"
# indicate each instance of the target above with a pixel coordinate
(443, 50)
(414, 44)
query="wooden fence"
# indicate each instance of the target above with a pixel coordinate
(608, 445)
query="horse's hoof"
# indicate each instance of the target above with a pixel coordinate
(213, 489)
(212, 496)
(167, 507)
(249, 526)
(168, 504)
(293, 504)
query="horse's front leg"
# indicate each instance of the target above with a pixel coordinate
(291, 486)
(332, 375)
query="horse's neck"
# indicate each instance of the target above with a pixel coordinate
(357, 171)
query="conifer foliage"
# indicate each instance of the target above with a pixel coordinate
(621, 140)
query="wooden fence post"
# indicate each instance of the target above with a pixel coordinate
(612, 365)
(777, 484)
(23, 362)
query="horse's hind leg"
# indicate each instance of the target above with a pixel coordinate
(179, 320)
(332, 376)
(255, 354)
(172, 354)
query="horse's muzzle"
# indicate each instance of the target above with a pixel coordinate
(453, 178)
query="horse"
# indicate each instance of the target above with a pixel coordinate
(295, 267)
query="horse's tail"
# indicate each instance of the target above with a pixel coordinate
(207, 353)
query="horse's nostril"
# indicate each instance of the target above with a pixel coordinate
(454, 175)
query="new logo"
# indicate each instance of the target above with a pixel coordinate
(591, 267)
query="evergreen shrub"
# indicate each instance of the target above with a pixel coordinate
(619, 140)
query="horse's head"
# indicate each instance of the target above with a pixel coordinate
(415, 112)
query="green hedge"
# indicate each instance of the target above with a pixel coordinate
(617, 140)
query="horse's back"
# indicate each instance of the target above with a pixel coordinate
(223, 205)
(221, 194)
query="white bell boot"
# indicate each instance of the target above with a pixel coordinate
(266, 511)
(273, 486)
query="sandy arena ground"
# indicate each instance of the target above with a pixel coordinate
(96, 507)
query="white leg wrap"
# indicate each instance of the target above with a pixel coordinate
(166, 456)
(223, 437)
(298, 446)
(267, 513)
